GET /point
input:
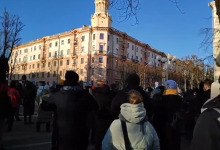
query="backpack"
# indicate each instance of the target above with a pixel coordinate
(179, 120)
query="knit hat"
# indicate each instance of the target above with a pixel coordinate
(215, 90)
(170, 84)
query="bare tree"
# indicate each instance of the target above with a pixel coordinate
(13, 63)
(10, 28)
(130, 8)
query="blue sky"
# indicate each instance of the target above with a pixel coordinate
(161, 25)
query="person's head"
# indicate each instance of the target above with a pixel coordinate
(23, 78)
(71, 78)
(161, 88)
(149, 89)
(156, 92)
(207, 84)
(215, 90)
(133, 80)
(170, 85)
(134, 97)
(13, 84)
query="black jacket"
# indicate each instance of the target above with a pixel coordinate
(206, 134)
(121, 98)
(71, 108)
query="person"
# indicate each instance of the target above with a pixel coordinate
(19, 89)
(132, 122)
(207, 130)
(104, 117)
(165, 111)
(70, 105)
(207, 91)
(5, 110)
(43, 116)
(29, 101)
(15, 97)
(133, 81)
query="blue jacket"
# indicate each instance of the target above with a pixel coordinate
(141, 133)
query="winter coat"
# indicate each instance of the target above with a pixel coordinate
(15, 97)
(5, 106)
(71, 106)
(207, 129)
(121, 98)
(43, 116)
(29, 92)
(141, 133)
(104, 117)
(164, 111)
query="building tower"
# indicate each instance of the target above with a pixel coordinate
(101, 18)
(216, 38)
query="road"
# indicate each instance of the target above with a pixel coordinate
(25, 137)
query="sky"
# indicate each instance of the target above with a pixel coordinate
(161, 24)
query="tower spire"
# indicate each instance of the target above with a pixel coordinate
(101, 18)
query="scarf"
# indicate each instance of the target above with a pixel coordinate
(170, 92)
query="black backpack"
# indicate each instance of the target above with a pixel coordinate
(179, 120)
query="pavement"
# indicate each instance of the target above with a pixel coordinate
(25, 137)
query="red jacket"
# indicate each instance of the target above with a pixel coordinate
(15, 97)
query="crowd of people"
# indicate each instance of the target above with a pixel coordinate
(111, 119)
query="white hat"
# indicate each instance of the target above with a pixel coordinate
(215, 90)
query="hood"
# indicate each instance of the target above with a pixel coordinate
(133, 113)
(211, 103)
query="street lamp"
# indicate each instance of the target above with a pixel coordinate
(146, 64)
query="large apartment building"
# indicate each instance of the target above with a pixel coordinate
(92, 51)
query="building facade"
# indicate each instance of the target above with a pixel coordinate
(216, 38)
(94, 52)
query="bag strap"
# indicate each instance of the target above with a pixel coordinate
(125, 134)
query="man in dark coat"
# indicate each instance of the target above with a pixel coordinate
(71, 105)
(206, 94)
(207, 130)
(133, 82)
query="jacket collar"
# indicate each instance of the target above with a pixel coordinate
(211, 103)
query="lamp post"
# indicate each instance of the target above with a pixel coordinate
(146, 64)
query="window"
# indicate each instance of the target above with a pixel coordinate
(68, 41)
(93, 59)
(100, 60)
(55, 54)
(38, 56)
(136, 57)
(39, 46)
(137, 49)
(54, 74)
(68, 51)
(42, 74)
(55, 63)
(127, 55)
(48, 64)
(101, 36)
(19, 60)
(127, 45)
(100, 71)
(49, 54)
(62, 42)
(74, 62)
(132, 57)
(29, 66)
(100, 47)
(93, 36)
(83, 49)
(20, 51)
(92, 71)
(50, 44)
(81, 71)
(152, 55)
(93, 47)
(82, 60)
(56, 44)
(116, 62)
(18, 76)
(108, 37)
(67, 62)
(108, 49)
(38, 65)
(107, 60)
(132, 47)
(60, 73)
(37, 75)
(34, 47)
(33, 66)
(48, 74)
(61, 53)
(34, 57)
(43, 65)
(83, 38)
(61, 63)
(116, 40)
(117, 51)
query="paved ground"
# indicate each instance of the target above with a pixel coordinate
(24, 137)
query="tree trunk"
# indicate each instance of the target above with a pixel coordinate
(4, 69)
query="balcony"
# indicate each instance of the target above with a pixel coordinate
(74, 55)
(61, 56)
(43, 59)
(135, 61)
(55, 57)
(123, 57)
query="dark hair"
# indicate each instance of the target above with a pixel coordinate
(13, 84)
(162, 88)
(133, 80)
(208, 82)
(150, 89)
(72, 78)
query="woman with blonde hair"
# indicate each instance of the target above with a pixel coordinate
(132, 130)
